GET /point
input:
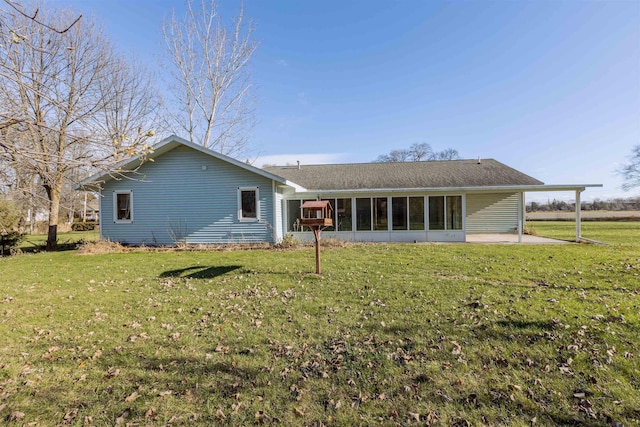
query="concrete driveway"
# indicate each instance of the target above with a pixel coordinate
(513, 238)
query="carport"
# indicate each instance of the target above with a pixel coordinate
(578, 189)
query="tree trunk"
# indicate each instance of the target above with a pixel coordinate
(53, 192)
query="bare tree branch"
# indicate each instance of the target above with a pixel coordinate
(210, 75)
(34, 18)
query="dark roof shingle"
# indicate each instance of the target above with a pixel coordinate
(397, 175)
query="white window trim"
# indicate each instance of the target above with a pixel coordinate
(115, 207)
(245, 219)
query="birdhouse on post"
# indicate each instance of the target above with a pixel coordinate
(315, 215)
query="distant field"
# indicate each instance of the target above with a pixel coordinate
(585, 215)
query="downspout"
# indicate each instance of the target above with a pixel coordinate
(274, 213)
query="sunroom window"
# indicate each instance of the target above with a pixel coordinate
(416, 213)
(399, 213)
(454, 212)
(343, 214)
(445, 213)
(436, 213)
(380, 213)
(363, 214)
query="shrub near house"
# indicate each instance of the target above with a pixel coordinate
(9, 234)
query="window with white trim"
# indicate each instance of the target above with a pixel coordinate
(248, 204)
(123, 207)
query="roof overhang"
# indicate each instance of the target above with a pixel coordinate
(486, 189)
(126, 168)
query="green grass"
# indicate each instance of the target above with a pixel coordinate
(68, 240)
(390, 334)
(613, 232)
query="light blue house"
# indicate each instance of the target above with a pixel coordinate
(190, 194)
(187, 193)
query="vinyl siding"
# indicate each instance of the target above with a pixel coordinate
(492, 213)
(187, 196)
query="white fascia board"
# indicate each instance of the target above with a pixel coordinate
(296, 187)
(498, 188)
(565, 187)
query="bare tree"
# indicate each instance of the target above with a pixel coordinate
(631, 170)
(131, 113)
(14, 32)
(446, 154)
(418, 152)
(55, 88)
(210, 76)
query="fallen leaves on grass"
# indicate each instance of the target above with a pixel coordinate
(123, 417)
(16, 416)
(112, 372)
(70, 416)
(132, 397)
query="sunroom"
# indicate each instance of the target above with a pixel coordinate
(381, 218)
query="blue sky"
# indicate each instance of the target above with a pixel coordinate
(551, 88)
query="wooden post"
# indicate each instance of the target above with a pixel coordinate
(315, 215)
(316, 233)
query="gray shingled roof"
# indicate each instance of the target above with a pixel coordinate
(431, 174)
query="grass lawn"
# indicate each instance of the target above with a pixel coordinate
(390, 334)
(37, 242)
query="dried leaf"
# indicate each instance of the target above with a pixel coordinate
(414, 416)
(113, 372)
(221, 349)
(70, 416)
(122, 418)
(16, 416)
(132, 397)
(457, 348)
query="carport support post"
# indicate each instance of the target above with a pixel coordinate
(522, 214)
(578, 212)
